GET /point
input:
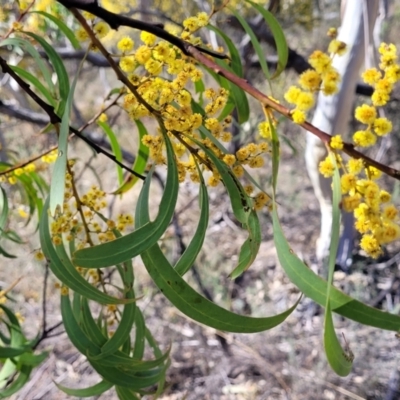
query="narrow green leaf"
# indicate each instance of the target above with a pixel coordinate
(10, 352)
(36, 83)
(236, 60)
(133, 244)
(3, 209)
(18, 383)
(250, 247)
(338, 359)
(32, 360)
(189, 256)
(140, 162)
(256, 44)
(58, 65)
(115, 148)
(138, 349)
(279, 37)
(187, 300)
(135, 381)
(64, 28)
(75, 333)
(95, 390)
(315, 287)
(310, 283)
(126, 394)
(57, 188)
(124, 328)
(25, 44)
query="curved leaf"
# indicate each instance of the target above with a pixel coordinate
(131, 245)
(115, 148)
(60, 25)
(279, 37)
(187, 300)
(140, 162)
(95, 390)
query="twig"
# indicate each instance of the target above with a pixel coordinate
(348, 148)
(55, 119)
(115, 21)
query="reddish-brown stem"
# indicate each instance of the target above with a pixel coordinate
(266, 101)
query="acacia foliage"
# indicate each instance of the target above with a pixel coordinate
(161, 80)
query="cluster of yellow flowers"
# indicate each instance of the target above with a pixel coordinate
(12, 177)
(146, 65)
(324, 77)
(376, 218)
(80, 218)
(383, 81)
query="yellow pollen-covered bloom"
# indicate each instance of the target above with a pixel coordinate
(364, 138)
(310, 80)
(305, 101)
(336, 142)
(355, 165)
(264, 129)
(326, 167)
(365, 114)
(298, 116)
(382, 126)
(229, 159)
(337, 47)
(348, 183)
(320, 61)
(379, 98)
(148, 38)
(371, 246)
(101, 29)
(125, 44)
(371, 76)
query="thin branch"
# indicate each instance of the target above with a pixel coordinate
(55, 119)
(348, 148)
(115, 21)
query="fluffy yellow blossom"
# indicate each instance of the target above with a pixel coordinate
(336, 142)
(229, 159)
(191, 24)
(364, 138)
(305, 101)
(238, 170)
(292, 94)
(371, 76)
(379, 98)
(264, 129)
(127, 63)
(355, 165)
(326, 167)
(125, 44)
(101, 29)
(154, 67)
(384, 196)
(348, 183)
(320, 61)
(337, 47)
(390, 212)
(103, 117)
(81, 34)
(350, 203)
(298, 117)
(365, 114)
(310, 80)
(371, 246)
(382, 126)
(148, 38)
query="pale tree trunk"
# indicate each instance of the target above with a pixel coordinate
(332, 115)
